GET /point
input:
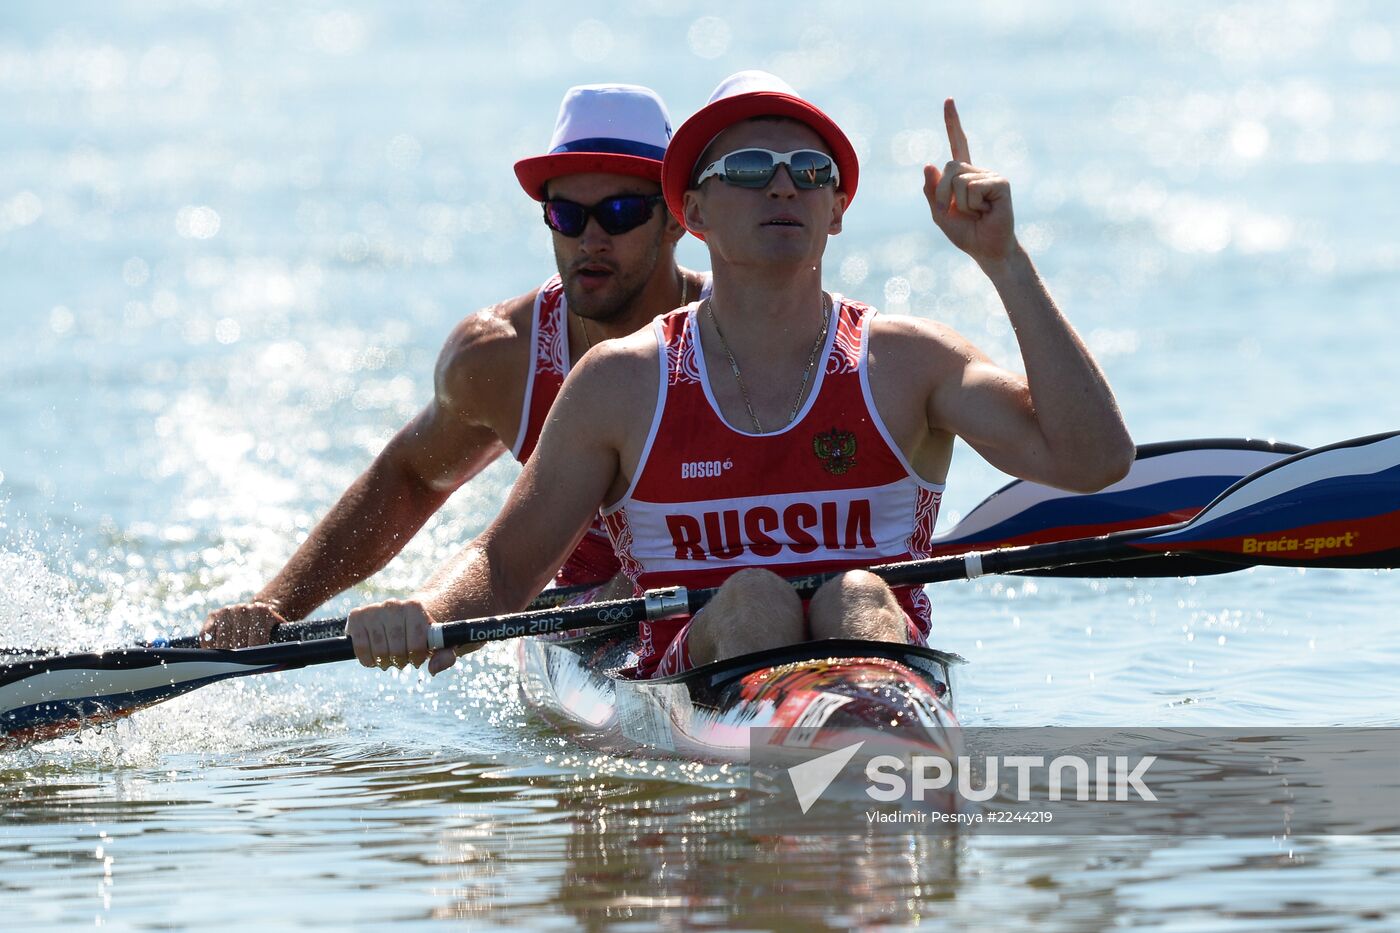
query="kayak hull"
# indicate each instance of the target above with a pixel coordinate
(803, 696)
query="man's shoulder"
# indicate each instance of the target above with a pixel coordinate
(629, 361)
(488, 349)
(906, 329)
(623, 353)
(495, 328)
(922, 351)
(611, 390)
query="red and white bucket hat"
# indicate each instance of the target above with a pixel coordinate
(739, 97)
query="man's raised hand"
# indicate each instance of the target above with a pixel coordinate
(971, 205)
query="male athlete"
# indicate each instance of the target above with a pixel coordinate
(498, 374)
(773, 427)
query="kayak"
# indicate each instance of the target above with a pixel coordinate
(802, 696)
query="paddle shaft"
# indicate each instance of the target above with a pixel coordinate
(1093, 556)
(1170, 480)
(660, 604)
(1365, 468)
(319, 641)
(1117, 547)
(312, 629)
(1332, 506)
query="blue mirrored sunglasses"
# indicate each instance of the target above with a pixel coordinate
(617, 214)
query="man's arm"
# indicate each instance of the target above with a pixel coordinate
(593, 428)
(445, 445)
(1061, 424)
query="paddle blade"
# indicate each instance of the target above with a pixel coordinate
(1335, 506)
(50, 697)
(1169, 482)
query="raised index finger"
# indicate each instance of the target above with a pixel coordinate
(957, 139)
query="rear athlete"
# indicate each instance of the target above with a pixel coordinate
(832, 426)
(500, 370)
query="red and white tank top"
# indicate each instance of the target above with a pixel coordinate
(593, 561)
(831, 491)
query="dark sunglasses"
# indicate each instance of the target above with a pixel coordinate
(755, 168)
(617, 214)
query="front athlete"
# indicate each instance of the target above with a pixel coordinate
(833, 426)
(829, 492)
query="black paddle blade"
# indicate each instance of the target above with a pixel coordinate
(49, 697)
(53, 696)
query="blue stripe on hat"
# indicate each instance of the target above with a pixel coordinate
(603, 144)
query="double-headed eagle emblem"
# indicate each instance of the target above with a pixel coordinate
(836, 450)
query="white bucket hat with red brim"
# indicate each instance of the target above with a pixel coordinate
(739, 97)
(622, 129)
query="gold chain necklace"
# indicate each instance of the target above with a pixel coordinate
(806, 373)
(583, 321)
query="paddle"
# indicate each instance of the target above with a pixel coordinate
(1336, 506)
(1169, 481)
(308, 630)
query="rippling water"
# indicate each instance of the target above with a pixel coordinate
(233, 239)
